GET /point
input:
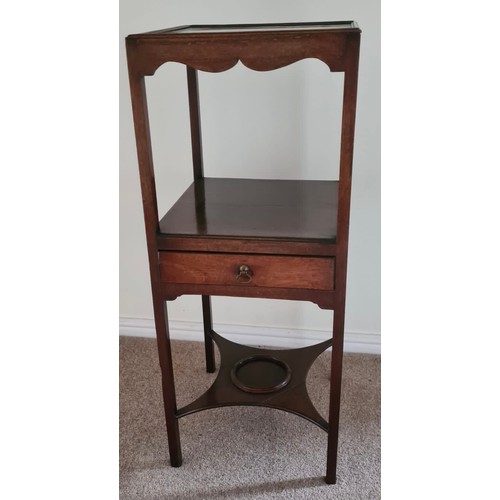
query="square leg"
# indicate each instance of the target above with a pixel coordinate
(208, 327)
(167, 380)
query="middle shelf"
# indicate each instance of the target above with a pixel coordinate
(282, 210)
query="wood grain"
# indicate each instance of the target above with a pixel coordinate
(311, 273)
(293, 235)
(255, 208)
(245, 245)
(219, 51)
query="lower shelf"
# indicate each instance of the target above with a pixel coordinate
(262, 377)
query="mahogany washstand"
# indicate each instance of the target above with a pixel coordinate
(278, 239)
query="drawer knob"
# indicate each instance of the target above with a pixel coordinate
(244, 274)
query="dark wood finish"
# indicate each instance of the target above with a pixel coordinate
(207, 332)
(256, 208)
(324, 299)
(315, 273)
(292, 397)
(194, 118)
(253, 216)
(245, 245)
(260, 50)
(241, 28)
(145, 158)
(292, 236)
(345, 177)
(261, 374)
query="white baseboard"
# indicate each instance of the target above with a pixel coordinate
(361, 342)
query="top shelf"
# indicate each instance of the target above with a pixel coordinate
(260, 47)
(253, 28)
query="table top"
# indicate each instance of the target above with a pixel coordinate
(222, 29)
(255, 208)
(260, 47)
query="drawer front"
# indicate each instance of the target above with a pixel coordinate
(314, 273)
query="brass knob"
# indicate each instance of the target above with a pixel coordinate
(244, 274)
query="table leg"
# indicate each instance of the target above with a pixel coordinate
(167, 379)
(208, 327)
(335, 387)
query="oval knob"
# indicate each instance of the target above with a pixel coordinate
(244, 274)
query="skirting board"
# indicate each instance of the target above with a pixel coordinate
(361, 342)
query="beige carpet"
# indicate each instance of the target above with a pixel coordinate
(244, 452)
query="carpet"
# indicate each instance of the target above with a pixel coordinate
(244, 452)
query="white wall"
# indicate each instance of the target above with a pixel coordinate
(292, 117)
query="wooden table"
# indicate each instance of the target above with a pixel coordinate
(278, 239)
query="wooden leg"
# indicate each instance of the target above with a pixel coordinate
(207, 326)
(335, 386)
(167, 379)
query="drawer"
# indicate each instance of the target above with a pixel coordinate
(272, 271)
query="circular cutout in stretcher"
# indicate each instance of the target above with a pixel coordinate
(261, 374)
